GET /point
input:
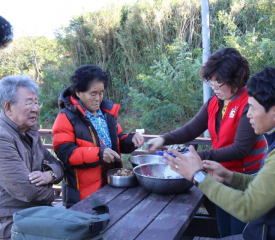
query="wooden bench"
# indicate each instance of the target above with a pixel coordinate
(197, 141)
(235, 237)
(202, 226)
(57, 196)
(57, 190)
(204, 223)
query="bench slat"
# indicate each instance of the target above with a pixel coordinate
(235, 237)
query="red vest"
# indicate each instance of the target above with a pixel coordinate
(252, 161)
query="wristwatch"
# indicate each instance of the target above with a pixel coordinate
(199, 177)
(53, 176)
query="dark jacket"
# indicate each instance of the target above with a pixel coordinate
(18, 158)
(264, 227)
(77, 144)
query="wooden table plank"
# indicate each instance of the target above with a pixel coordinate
(105, 195)
(175, 218)
(124, 203)
(119, 200)
(137, 214)
(132, 224)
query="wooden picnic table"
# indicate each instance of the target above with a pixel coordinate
(138, 214)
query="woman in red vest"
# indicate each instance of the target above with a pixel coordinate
(234, 143)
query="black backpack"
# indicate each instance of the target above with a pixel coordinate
(45, 223)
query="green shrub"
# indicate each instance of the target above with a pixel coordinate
(172, 92)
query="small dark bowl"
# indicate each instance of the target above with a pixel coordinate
(147, 158)
(121, 181)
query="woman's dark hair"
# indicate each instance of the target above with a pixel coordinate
(228, 66)
(84, 76)
(6, 32)
(261, 86)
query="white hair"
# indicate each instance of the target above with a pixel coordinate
(9, 86)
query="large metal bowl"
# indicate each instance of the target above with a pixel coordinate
(121, 181)
(142, 159)
(160, 178)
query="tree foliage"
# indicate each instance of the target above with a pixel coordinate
(172, 93)
(28, 55)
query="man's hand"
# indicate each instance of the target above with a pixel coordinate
(217, 171)
(110, 155)
(185, 164)
(40, 178)
(155, 143)
(138, 140)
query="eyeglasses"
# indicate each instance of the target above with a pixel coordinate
(214, 86)
(33, 104)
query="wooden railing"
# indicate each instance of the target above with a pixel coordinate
(195, 142)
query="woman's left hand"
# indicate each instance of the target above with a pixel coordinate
(185, 164)
(138, 140)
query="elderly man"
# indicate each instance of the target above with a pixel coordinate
(248, 198)
(27, 168)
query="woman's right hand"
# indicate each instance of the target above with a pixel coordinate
(155, 143)
(110, 155)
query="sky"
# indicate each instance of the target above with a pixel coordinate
(41, 17)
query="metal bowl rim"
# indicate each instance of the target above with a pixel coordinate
(111, 175)
(157, 156)
(162, 179)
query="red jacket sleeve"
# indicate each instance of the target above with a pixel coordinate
(80, 153)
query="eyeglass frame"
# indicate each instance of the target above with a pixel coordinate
(214, 86)
(30, 105)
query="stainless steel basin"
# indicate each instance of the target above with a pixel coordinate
(160, 178)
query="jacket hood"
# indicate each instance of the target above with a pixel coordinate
(66, 100)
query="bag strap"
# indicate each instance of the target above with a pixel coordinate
(102, 211)
(99, 207)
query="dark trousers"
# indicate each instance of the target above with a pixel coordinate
(227, 224)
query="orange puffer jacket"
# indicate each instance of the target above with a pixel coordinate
(77, 145)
